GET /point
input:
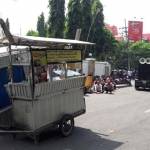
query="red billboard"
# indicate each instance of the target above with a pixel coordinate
(135, 30)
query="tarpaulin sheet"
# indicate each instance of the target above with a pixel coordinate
(4, 76)
(4, 98)
(18, 74)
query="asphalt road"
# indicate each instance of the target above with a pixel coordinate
(119, 121)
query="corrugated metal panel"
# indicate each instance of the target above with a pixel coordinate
(19, 90)
(50, 108)
(4, 61)
(23, 114)
(53, 101)
(58, 85)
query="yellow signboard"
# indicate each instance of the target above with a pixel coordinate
(63, 56)
(39, 57)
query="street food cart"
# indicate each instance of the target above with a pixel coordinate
(37, 101)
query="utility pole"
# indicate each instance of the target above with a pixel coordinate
(127, 43)
(126, 39)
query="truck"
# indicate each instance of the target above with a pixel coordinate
(142, 80)
(98, 68)
(102, 68)
(91, 68)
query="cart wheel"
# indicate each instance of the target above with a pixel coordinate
(66, 125)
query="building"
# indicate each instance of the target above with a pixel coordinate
(146, 37)
(114, 30)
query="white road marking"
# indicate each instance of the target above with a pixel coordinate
(147, 111)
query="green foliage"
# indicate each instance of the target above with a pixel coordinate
(41, 27)
(140, 48)
(105, 42)
(73, 18)
(93, 30)
(131, 55)
(86, 18)
(110, 40)
(120, 59)
(32, 33)
(46, 29)
(87, 15)
(56, 18)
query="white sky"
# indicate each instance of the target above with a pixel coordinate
(23, 14)
(116, 11)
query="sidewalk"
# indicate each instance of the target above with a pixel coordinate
(125, 85)
(122, 85)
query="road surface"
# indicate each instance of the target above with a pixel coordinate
(119, 121)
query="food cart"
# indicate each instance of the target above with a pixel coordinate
(37, 101)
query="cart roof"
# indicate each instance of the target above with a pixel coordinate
(41, 41)
(7, 38)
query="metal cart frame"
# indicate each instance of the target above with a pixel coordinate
(39, 106)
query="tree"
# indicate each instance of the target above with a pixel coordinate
(124, 57)
(41, 27)
(32, 33)
(109, 41)
(73, 18)
(56, 18)
(86, 18)
(138, 50)
(119, 56)
(105, 42)
(97, 33)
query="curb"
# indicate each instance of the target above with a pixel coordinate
(123, 85)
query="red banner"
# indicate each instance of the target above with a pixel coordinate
(135, 30)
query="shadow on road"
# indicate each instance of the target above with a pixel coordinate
(81, 139)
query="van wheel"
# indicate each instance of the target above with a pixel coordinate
(66, 125)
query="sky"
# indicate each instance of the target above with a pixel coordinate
(23, 14)
(117, 11)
